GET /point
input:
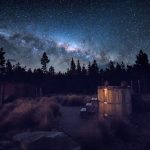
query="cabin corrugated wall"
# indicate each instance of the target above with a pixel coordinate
(114, 101)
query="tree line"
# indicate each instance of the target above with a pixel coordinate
(78, 78)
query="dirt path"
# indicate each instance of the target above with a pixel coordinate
(71, 122)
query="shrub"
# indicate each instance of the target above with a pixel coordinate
(139, 105)
(122, 129)
(72, 100)
(96, 135)
(23, 114)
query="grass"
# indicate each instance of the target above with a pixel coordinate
(39, 113)
(71, 100)
(106, 135)
(25, 114)
(43, 113)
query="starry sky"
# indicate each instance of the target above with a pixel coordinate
(84, 29)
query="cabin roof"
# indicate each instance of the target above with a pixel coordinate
(114, 87)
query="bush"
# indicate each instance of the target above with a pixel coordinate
(96, 135)
(71, 100)
(104, 134)
(122, 129)
(139, 105)
(23, 114)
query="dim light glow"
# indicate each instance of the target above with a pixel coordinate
(105, 103)
(106, 115)
(105, 93)
(105, 89)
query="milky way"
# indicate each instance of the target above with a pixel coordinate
(84, 29)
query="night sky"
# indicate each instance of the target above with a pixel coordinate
(84, 29)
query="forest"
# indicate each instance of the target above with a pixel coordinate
(78, 79)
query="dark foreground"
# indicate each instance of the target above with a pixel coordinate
(61, 113)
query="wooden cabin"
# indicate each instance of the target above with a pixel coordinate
(114, 101)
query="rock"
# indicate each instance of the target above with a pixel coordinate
(41, 140)
(8, 145)
(5, 143)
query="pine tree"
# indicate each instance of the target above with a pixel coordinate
(9, 66)
(29, 71)
(94, 68)
(2, 60)
(2, 70)
(142, 59)
(72, 67)
(89, 68)
(123, 66)
(118, 67)
(44, 61)
(51, 70)
(19, 69)
(68, 71)
(84, 71)
(111, 66)
(78, 68)
(141, 69)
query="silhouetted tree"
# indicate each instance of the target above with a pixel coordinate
(51, 70)
(141, 70)
(2, 60)
(142, 59)
(110, 73)
(44, 61)
(19, 72)
(94, 68)
(38, 71)
(68, 71)
(89, 68)
(77, 79)
(29, 70)
(18, 67)
(123, 66)
(119, 73)
(111, 66)
(118, 67)
(2, 75)
(72, 67)
(84, 71)
(9, 66)
(78, 67)
(129, 68)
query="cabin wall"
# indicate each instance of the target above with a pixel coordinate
(114, 101)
